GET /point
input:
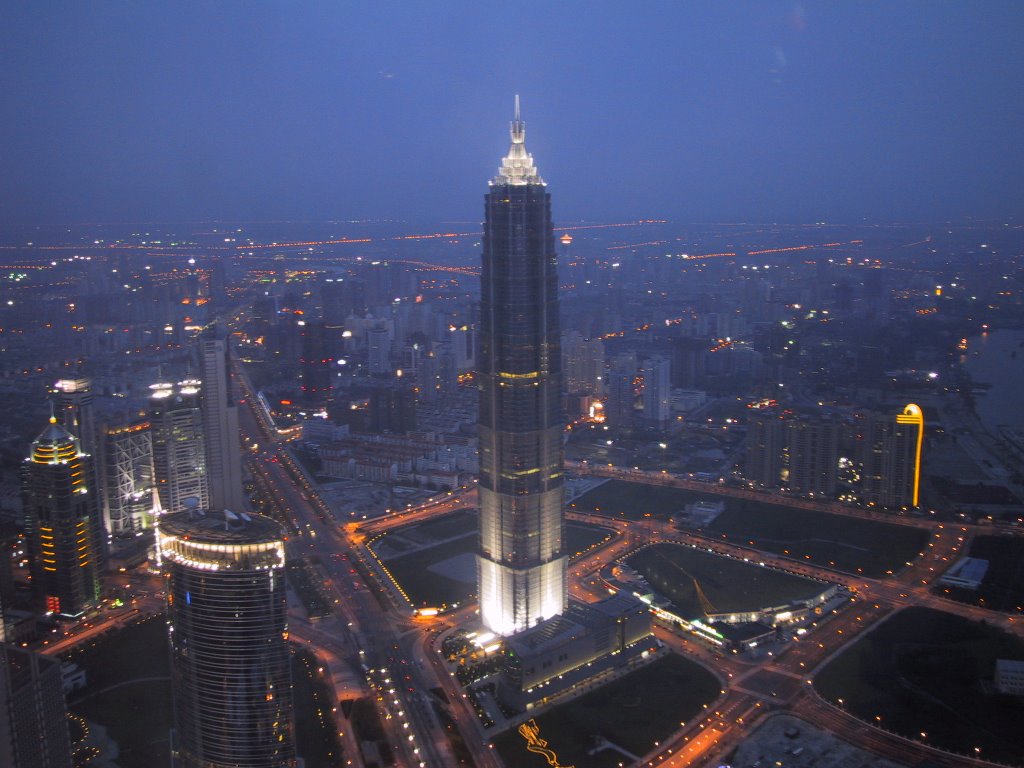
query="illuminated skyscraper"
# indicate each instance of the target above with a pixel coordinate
(522, 560)
(179, 448)
(891, 458)
(129, 491)
(62, 523)
(227, 614)
(75, 411)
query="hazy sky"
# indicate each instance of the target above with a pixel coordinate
(709, 111)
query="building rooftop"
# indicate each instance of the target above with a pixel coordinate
(221, 527)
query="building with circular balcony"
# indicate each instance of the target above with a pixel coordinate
(227, 618)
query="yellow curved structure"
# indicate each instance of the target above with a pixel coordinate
(912, 414)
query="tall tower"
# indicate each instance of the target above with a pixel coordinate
(891, 458)
(521, 566)
(220, 426)
(657, 391)
(62, 523)
(75, 411)
(179, 448)
(227, 613)
(128, 478)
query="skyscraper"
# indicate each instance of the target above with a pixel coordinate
(63, 531)
(810, 462)
(657, 391)
(891, 458)
(227, 615)
(75, 411)
(33, 711)
(220, 425)
(129, 501)
(521, 565)
(179, 448)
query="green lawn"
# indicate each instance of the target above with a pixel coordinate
(850, 544)
(621, 498)
(423, 586)
(728, 585)
(922, 671)
(126, 659)
(633, 712)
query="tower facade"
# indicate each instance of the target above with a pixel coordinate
(178, 444)
(129, 491)
(62, 523)
(220, 426)
(227, 613)
(521, 565)
(891, 458)
(657, 391)
(74, 403)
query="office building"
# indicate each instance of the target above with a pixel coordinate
(130, 501)
(583, 364)
(227, 616)
(765, 439)
(810, 459)
(316, 365)
(76, 412)
(521, 566)
(220, 425)
(891, 458)
(657, 391)
(63, 531)
(179, 446)
(33, 711)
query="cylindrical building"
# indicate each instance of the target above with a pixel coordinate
(227, 616)
(522, 559)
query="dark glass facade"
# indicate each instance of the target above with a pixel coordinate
(521, 564)
(227, 616)
(63, 529)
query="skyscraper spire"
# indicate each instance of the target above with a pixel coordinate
(517, 166)
(522, 557)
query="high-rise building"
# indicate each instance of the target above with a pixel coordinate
(220, 425)
(130, 501)
(179, 447)
(657, 391)
(810, 462)
(583, 364)
(521, 565)
(33, 711)
(65, 538)
(765, 439)
(227, 615)
(75, 411)
(316, 365)
(891, 458)
(378, 346)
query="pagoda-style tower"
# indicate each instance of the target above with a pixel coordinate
(521, 565)
(62, 523)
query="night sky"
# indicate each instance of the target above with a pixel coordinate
(698, 112)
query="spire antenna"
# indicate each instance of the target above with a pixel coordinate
(517, 166)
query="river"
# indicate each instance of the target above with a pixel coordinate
(997, 358)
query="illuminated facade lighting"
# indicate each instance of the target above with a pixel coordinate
(521, 566)
(227, 617)
(63, 528)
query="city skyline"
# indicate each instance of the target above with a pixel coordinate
(336, 473)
